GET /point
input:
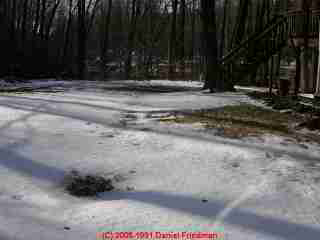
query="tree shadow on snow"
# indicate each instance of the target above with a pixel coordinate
(211, 209)
(11, 159)
(104, 121)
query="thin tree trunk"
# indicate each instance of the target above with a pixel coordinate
(241, 21)
(36, 22)
(193, 23)
(105, 40)
(297, 77)
(182, 37)
(223, 28)
(131, 38)
(24, 22)
(51, 18)
(67, 34)
(42, 18)
(13, 41)
(305, 55)
(271, 75)
(172, 40)
(81, 39)
(317, 93)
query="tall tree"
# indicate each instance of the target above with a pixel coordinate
(241, 21)
(67, 35)
(212, 72)
(106, 12)
(43, 18)
(173, 38)
(317, 94)
(135, 11)
(223, 27)
(24, 21)
(182, 37)
(306, 83)
(82, 39)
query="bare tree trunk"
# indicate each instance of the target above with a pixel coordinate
(67, 34)
(42, 18)
(223, 28)
(135, 8)
(297, 77)
(105, 39)
(211, 73)
(193, 25)
(13, 38)
(241, 21)
(172, 40)
(92, 16)
(51, 17)
(36, 22)
(271, 75)
(305, 56)
(317, 93)
(182, 36)
(24, 22)
(82, 54)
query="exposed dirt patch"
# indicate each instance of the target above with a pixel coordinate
(240, 121)
(296, 104)
(309, 108)
(86, 185)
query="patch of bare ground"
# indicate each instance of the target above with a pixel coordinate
(245, 120)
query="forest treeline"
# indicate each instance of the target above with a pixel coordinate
(125, 38)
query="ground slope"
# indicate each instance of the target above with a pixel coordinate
(167, 176)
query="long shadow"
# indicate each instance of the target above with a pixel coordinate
(4, 236)
(13, 103)
(20, 223)
(94, 106)
(191, 135)
(10, 159)
(238, 217)
(47, 101)
(268, 225)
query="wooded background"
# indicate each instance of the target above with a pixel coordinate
(140, 39)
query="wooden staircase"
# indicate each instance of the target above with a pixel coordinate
(256, 50)
(247, 57)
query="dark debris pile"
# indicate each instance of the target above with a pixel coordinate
(87, 185)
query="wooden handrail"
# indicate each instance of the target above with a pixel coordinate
(259, 36)
(254, 37)
(267, 41)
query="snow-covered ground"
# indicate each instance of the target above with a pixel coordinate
(168, 177)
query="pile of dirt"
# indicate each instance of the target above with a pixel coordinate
(87, 185)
